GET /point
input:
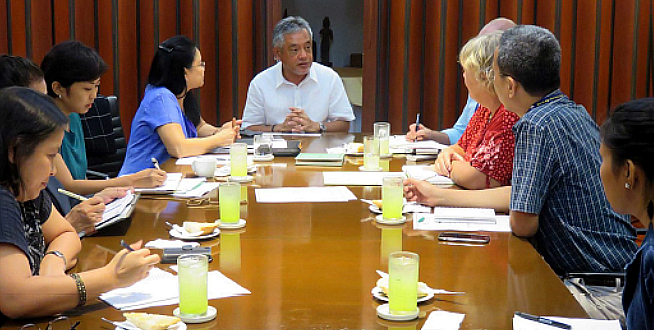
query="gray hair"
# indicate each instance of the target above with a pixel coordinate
(291, 24)
(532, 56)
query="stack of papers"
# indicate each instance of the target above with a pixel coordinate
(169, 186)
(520, 323)
(161, 288)
(429, 221)
(462, 214)
(399, 144)
(304, 195)
(319, 159)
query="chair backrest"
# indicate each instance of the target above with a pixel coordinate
(104, 137)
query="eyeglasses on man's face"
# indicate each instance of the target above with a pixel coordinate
(202, 64)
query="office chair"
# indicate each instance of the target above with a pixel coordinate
(104, 138)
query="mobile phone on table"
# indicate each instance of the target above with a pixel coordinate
(463, 238)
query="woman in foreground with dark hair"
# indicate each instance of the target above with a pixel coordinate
(627, 174)
(168, 121)
(37, 245)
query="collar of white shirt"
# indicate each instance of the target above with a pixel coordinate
(313, 76)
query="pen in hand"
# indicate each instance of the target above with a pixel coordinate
(125, 245)
(72, 194)
(417, 126)
(155, 163)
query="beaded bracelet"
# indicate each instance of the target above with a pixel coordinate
(81, 289)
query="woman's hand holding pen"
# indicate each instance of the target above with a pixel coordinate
(86, 214)
(148, 178)
(422, 133)
(127, 267)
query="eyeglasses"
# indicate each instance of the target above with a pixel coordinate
(60, 323)
(202, 64)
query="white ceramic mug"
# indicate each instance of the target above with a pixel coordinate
(204, 166)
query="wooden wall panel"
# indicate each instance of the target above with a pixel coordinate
(431, 66)
(398, 43)
(85, 21)
(18, 40)
(245, 48)
(207, 38)
(61, 13)
(5, 26)
(41, 25)
(127, 62)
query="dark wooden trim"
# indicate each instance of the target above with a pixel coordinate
(610, 75)
(557, 19)
(196, 24)
(116, 46)
(423, 41)
(235, 58)
(459, 44)
(378, 52)
(156, 25)
(139, 72)
(405, 78)
(482, 13)
(28, 28)
(598, 29)
(96, 25)
(217, 60)
(441, 63)
(573, 50)
(178, 18)
(519, 20)
(9, 30)
(71, 19)
(634, 55)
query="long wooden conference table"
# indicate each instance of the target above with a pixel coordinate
(312, 265)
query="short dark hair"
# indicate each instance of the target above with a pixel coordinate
(69, 62)
(27, 118)
(18, 71)
(628, 134)
(532, 56)
(170, 59)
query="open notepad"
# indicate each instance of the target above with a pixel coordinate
(118, 210)
(161, 288)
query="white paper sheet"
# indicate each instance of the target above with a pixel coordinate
(443, 320)
(520, 323)
(220, 159)
(304, 195)
(198, 190)
(426, 173)
(427, 221)
(337, 178)
(400, 142)
(161, 288)
(170, 185)
(168, 244)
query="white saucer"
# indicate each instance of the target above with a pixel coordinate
(380, 219)
(206, 317)
(364, 169)
(239, 224)
(263, 158)
(375, 209)
(384, 312)
(246, 178)
(378, 293)
(182, 236)
(128, 325)
(386, 156)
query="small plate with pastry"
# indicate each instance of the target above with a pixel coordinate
(380, 292)
(195, 230)
(145, 321)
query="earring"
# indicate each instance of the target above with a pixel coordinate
(627, 186)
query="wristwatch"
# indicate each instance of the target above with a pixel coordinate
(323, 129)
(57, 254)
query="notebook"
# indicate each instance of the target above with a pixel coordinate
(319, 159)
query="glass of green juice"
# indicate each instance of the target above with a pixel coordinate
(229, 202)
(392, 197)
(382, 134)
(403, 283)
(238, 154)
(370, 153)
(192, 274)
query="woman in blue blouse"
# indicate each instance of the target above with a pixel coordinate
(627, 173)
(168, 121)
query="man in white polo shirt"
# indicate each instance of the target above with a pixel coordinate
(296, 95)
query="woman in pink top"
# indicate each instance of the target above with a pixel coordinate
(483, 157)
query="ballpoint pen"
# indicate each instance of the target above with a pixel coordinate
(543, 320)
(417, 126)
(125, 245)
(155, 163)
(72, 194)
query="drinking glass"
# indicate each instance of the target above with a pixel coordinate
(192, 274)
(229, 199)
(403, 283)
(238, 154)
(370, 153)
(382, 134)
(392, 197)
(391, 241)
(262, 145)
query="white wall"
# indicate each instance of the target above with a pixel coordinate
(346, 17)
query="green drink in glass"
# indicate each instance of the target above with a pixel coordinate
(229, 199)
(238, 154)
(192, 276)
(392, 197)
(403, 283)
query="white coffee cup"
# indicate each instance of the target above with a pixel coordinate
(204, 166)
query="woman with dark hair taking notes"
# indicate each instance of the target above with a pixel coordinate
(168, 121)
(37, 245)
(72, 75)
(627, 174)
